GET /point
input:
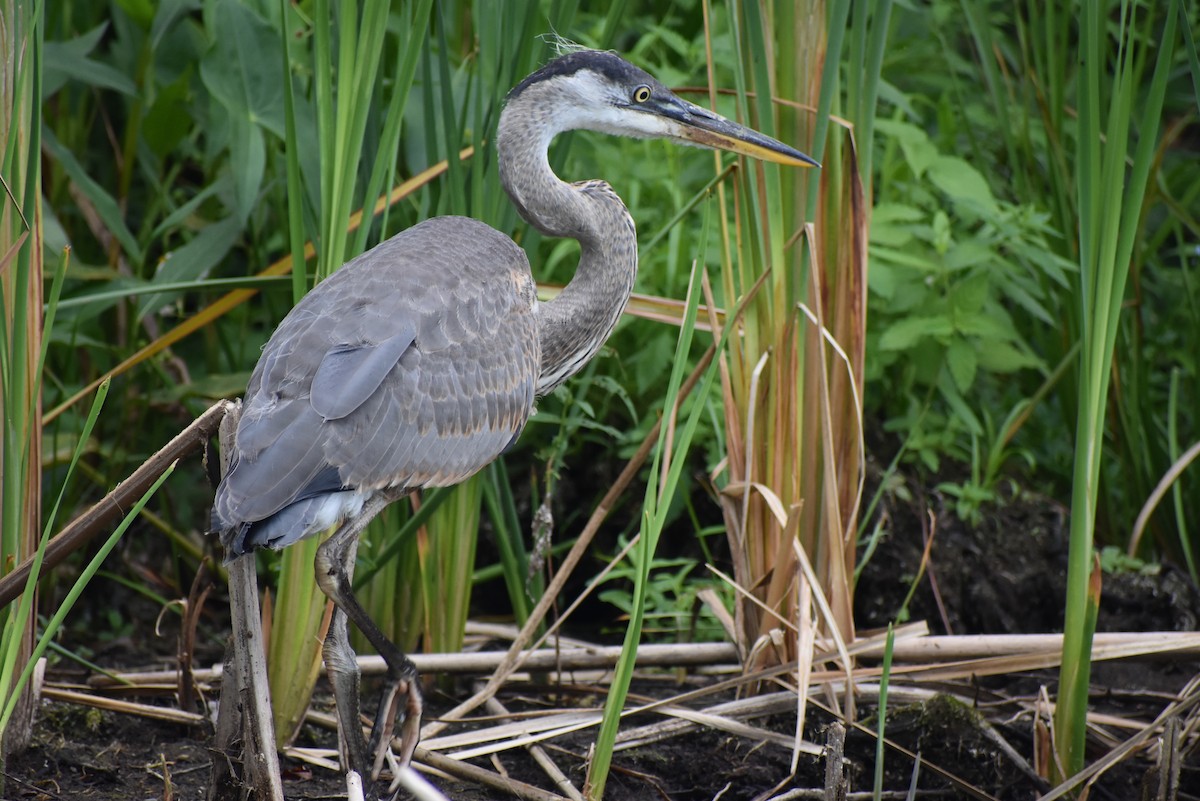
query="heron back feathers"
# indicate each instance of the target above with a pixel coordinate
(414, 365)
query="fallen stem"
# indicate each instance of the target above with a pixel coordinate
(114, 505)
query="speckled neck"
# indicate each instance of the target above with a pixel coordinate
(573, 326)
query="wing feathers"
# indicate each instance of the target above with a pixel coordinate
(349, 374)
(414, 365)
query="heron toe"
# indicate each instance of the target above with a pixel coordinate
(400, 696)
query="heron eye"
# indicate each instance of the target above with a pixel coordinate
(641, 94)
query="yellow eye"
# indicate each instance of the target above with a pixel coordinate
(641, 94)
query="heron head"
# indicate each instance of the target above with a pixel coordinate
(600, 91)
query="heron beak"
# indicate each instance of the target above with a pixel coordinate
(699, 126)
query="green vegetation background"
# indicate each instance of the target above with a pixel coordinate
(165, 172)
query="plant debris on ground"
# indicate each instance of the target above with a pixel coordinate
(972, 733)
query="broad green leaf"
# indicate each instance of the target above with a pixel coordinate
(913, 295)
(1025, 299)
(884, 279)
(140, 11)
(919, 152)
(168, 13)
(896, 236)
(943, 234)
(890, 95)
(990, 325)
(247, 160)
(242, 68)
(968, 296)
(970, 253)
(1002, 357)
(182, 213)
(918, 260)
(962, 182)
(907, 332)
(168, 119)
(892, 225)
(896, 212)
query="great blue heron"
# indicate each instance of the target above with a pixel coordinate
(417, 363)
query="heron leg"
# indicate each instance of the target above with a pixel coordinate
(341, 665)
(335, 571)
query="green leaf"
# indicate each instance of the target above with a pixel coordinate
(968, 296)
(1003, 357)
(972, 253)
(104, 203)
(140, 11)
(896, 236)
(943, 233)
(908, 332)
(247, 161)
(892, 224)
(888, 213)
(168, 119)
(1023, 298)
(948, 389)
(918, 151)
(242, 68)
(960, 358)
(68, 61)
(920, 260)
(192, 261)
(991, 326)
(962, 182)
(167, 14)
(884, 279)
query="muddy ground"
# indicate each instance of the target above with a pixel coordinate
(1004, 575)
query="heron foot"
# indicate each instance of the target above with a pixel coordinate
(401, 696)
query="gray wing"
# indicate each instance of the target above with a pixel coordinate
(414, 365)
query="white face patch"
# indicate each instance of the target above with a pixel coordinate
(599, 107)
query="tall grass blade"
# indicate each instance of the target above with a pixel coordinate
(11, 690)
(68, 603)
(1110, 209)
(21, 331)
(885, 675)
(667, 466)
(792, 423)
(295, 183)
(448, 560)
(514, 560)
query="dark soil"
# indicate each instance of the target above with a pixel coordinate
(1005, 575)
